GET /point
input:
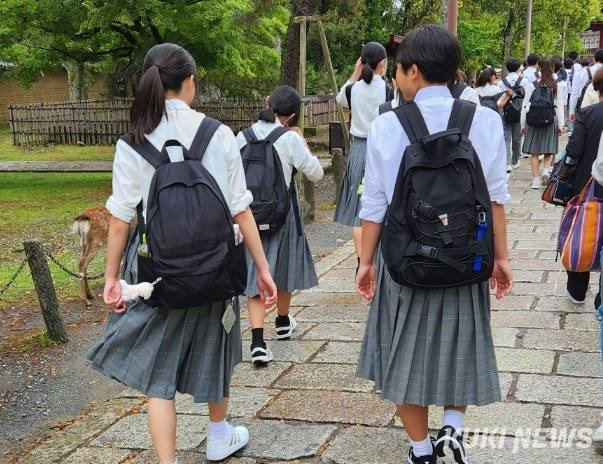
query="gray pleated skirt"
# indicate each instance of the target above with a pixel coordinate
(430, 347)
(348, 203)
(541, 140)
(289, 258)
(161, 352)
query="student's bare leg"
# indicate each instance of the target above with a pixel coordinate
(414, 419)
(283, 302)
(535, 164)
(257, 312)
(161, 415)
(357, 236)
(547, 161)
(217, 411)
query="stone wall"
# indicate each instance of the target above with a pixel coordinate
(54, 86)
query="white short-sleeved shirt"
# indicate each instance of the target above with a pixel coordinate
(530, 74)
(578, 84)
(387, 142)
(366, 99)
(132, 174)
(559, 106)
(291, 150)
(512, 80)
(470, 94)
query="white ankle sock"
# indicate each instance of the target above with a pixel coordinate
(454, 418)
(217, 430)
(422, 448)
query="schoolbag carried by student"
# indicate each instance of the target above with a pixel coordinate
(438, 231)
(512, 112)
(542, 107)
(457, 89)
(490, 101)
(584, 89)
(188, 238)
(266, 181)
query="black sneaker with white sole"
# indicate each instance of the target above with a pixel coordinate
(449, 447)
(285, 325)
(429, 459)
(261, 354)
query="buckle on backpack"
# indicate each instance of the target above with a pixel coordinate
(264, 226)
(427, 251)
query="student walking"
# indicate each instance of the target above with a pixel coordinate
(542, 122)
(187, 337)
(363, 93)
(276, 140)
(531, 72)
(581, 80)
(425, 344)
(460, 89)
(512, 112)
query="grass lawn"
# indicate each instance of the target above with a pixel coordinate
(43, 205)
(8, 152)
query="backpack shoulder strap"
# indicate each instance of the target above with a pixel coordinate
(518, 81)
(385, 107)
(506, 82)
(249, 135)
(412, 121)
(148, 152)
(461, 116)
(458, 89)
(348, 95)
(276, 134)
(204, 134)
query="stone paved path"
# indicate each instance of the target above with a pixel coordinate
(308, 405)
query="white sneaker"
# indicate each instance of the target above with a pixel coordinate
(284, 332)
(536, 183)
(546, 176)
(235, 439)
(516, 165)
(598, 439)
(261, 355)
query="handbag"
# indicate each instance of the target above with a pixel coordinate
(581, 231)
(558, 192)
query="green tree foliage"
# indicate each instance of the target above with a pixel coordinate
(233, 41)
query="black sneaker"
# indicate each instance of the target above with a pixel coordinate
(429, 459)
(285, 326)
(449, 447)
(261, 354)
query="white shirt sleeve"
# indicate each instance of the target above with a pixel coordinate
(304, 161)
(374, 199)
(560, 106)
(580, 79)
(526, 104)
(341, 98)
(470, 94)
(597, 170)
(591, 97)
(489, 143)
(127, 191)
(239, 198)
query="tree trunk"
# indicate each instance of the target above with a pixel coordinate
(79, 80)
(290, 55)
(508, 39)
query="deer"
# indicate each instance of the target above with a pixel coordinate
(92, 226)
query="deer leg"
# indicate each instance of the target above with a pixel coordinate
(88, 254)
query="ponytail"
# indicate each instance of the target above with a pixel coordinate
(148, 106)
(166, 67)
(284, 101)
(267, 114)
(367, 73)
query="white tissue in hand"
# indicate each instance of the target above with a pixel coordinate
(238, 234)
(141, 290)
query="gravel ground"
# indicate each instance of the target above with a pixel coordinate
(40, 387)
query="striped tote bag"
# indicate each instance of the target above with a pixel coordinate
(581, 231)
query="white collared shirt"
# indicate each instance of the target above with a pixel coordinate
(560, 99)
(470, 94)
(132, 174)
(578, 84)
(512, 80)
(366, 99)
(291, 150)
(530, 74)
(387, 142)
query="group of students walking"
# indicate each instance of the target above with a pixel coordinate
(424, 192)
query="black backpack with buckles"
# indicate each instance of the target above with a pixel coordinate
(438, 229)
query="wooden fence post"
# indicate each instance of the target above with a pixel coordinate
(338, 166)
(42, 278)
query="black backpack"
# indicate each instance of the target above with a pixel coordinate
(542, 107)
(457, 89)
(266, 181)
(584, 89)
(512, 112)
(490, 101)
(188, 238)
(438, 229)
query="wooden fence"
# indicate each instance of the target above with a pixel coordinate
(100, 122)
